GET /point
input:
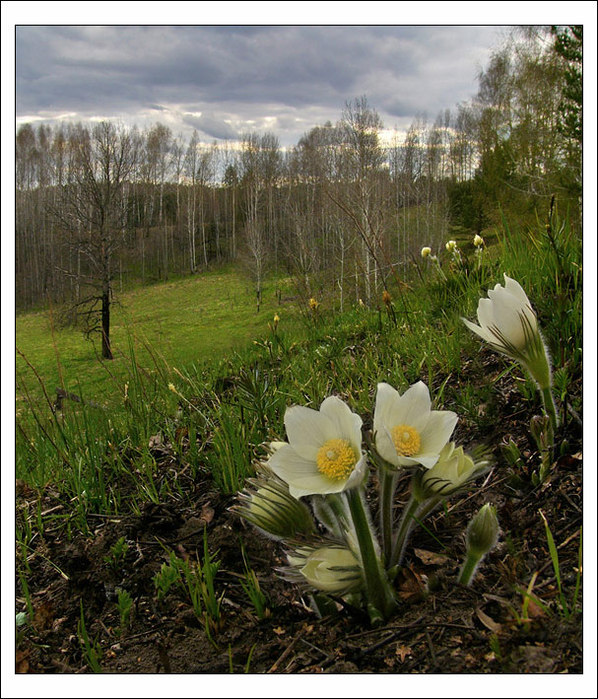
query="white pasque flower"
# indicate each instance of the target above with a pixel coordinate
(478, 241)
(324, 453)
(508, 322)
(453, 470)
(408, 431)
(333, 569)
(426, 252)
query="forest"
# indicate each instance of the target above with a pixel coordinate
(102, 206)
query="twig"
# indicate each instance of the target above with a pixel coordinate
(285, 654)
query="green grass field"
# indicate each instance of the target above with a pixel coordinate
(188, 321)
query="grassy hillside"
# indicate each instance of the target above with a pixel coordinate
(191, 320)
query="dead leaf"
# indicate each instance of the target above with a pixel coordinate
(430, 558)
(488, 622)
(534, 610)
(410, 584)
(155, 441)
(279, 631)
(207, 513)
(43, 616)
(21, 662)
(181, 433)
(402, 652)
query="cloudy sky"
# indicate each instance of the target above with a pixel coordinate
(226, 80)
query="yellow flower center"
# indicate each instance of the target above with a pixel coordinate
(336, 459)
(406, 439)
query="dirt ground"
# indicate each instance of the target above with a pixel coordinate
(441, 627)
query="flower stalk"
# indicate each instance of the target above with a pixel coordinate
(550, 407)
(380, 597)
(481, 537)
(469, 568)
(388, 483)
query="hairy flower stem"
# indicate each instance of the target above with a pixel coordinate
(469, 568)
(380, 597)
(414, 512)
(550, 407)
(388, 482)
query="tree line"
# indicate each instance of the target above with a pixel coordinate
(101, 206)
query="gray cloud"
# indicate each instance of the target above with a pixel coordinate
(211, 126)
(285, 77)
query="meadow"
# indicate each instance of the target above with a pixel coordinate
(129, 558)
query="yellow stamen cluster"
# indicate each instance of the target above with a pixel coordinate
(336, 459)
(406, 439)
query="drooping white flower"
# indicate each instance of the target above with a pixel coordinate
(478, 241)
(426, 252)
(407, 430)
(451, 245)
(508, 322)
(324, 453)
(333, 569)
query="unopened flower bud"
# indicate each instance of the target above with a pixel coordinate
(482, 531)
(331, 569)
(268, 505)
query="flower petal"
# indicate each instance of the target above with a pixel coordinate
(415, 407)
(481, 331)
(386, 448)
(307, 430)
(347, 424)
(507, 319)
(301, 475)
(515, 288)
(386, 400)
(437, 432)
(486, 314)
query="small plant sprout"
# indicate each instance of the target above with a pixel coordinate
(253, 590)
(92, 651)
(117, 554)
(166, 578)
(508, 323)
(541, 430)
(124, 605)
(481, 538)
